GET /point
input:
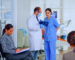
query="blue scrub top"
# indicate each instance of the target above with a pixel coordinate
(50, 30)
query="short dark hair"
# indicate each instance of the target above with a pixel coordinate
(7, 26)
(71, 38)
(48, 9)
(37, 9)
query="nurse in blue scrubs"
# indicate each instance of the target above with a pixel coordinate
(50, 35)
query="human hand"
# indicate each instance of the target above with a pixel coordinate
(18, 50)
(45, 23)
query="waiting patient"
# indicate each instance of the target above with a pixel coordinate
(7, 44)
(71, 40)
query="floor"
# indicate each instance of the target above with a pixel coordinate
(58, 56)
(42, 57)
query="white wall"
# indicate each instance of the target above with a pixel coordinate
(23, 12)
(52, 3)
(14, 15)
(9, 6)
(69, 13)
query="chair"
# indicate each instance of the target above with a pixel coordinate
(2, 54)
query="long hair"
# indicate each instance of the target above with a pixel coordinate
(8, 26)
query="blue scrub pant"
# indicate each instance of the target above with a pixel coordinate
(50, 50)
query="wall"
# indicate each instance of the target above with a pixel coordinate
(23, 12)
(8, 15)
(69, 13)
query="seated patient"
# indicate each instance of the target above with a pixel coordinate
(7, 44)
(71, 40)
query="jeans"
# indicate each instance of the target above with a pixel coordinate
(34, 54)
(21, 56)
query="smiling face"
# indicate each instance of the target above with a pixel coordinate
(48, 13)
(10, 31)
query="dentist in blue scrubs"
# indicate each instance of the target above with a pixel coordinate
(50, 35)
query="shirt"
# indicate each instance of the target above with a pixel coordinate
(50, 30)
(7, 44)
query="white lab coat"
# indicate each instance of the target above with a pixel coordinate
(35, 34)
